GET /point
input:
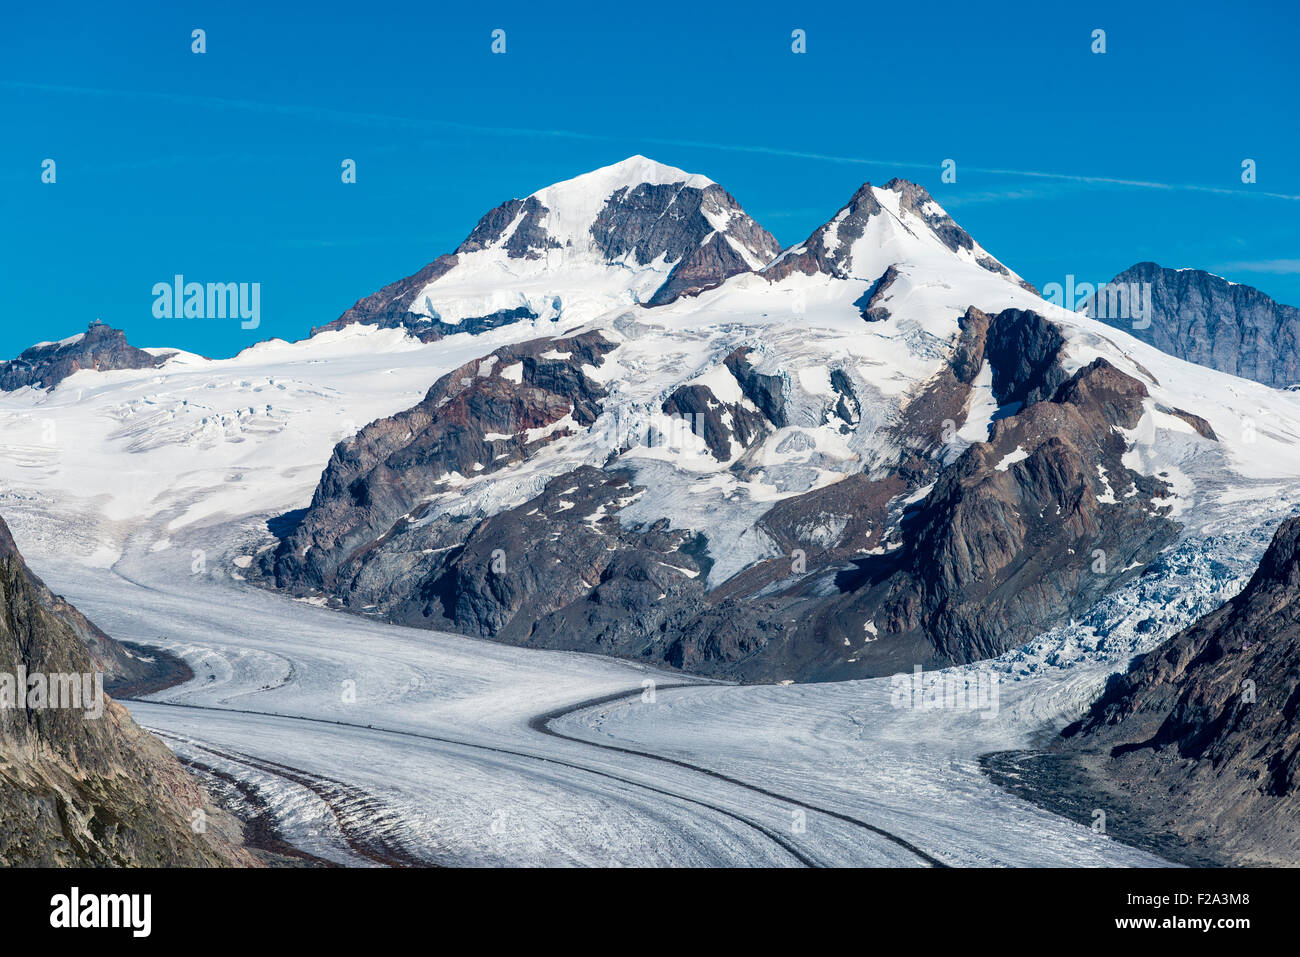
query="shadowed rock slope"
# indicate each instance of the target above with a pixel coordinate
(86, 791)
(1200, 740)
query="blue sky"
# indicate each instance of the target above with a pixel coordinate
(225, 166)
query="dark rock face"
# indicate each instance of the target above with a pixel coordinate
(872, 301)
(100, 348)
(1024, 348)
(700, 269)
(1210, 321)
(124, 672)
(556, 568)
(1203, 428)
(478, 418)
(708, 419)
(1203, 734)
(668, 220)
(529, 239)
(77, 790)
(815, 255)
(1023, 531)
(765, 391)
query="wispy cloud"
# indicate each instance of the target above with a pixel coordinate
(416, 123)
(1279, 267)
(1001, 195)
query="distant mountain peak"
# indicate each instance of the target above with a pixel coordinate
(1203, 318)
(100, 348)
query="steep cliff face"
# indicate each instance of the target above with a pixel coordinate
(79, 788)
(99, 348)
(1206, 319)
(1210, 722)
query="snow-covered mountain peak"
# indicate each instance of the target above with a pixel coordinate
(629, 173)
(636, 232)
(881, 227)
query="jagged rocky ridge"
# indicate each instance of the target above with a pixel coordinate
(1203, 318)
(78, 791)
(100, 348)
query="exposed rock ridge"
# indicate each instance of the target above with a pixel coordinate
(100, 348)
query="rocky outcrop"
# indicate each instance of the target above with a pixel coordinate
(726, 427)
(480, 418)
(390, 307)
(767, 392)
(559, 571)
(1024, 352)
(872, 302)
(1022, 531)
(527, 240)
(100, 348)
(1205, 319)
(1200, 740)
(76, 788)
(701, 268)
(703, 231)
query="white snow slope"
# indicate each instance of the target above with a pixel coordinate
(141, 495)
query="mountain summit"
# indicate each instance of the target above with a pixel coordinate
(879, 227)
(634, 232)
